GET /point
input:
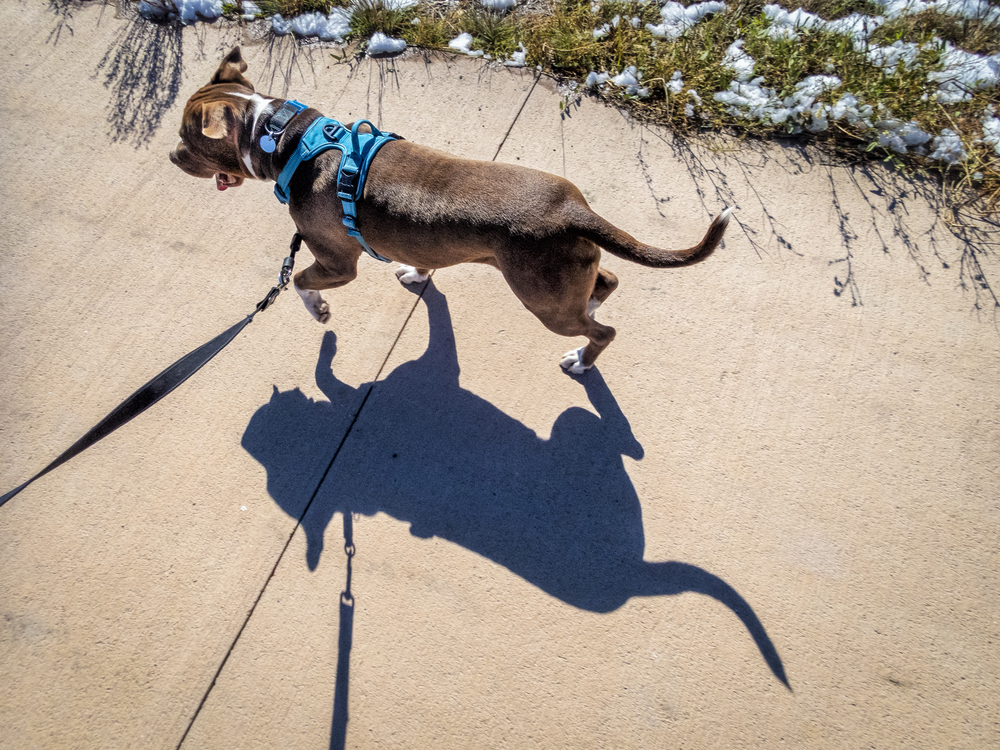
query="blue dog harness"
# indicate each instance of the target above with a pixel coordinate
(357, 149)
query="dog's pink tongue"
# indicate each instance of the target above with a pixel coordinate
(220, 182)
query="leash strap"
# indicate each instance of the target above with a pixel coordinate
(338, 728)
(357, 149)
(167, 380)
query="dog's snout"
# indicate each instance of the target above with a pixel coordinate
(175, 153)
(189, 163)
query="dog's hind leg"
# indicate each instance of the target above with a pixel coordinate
(606, 283)
(578, 361)
(564, 293)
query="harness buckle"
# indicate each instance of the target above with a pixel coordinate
(352, 227)
(347, 182)
(332, 130)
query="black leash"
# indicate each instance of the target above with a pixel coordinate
(167, 380)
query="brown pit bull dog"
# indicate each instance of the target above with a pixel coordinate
(422, 208)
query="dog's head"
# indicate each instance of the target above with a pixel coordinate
(213, 119)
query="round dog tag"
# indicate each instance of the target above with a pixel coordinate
(267, 143)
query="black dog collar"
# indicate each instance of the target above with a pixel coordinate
(277, 123)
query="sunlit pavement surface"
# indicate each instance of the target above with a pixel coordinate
(767, 517)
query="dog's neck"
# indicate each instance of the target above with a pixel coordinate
(260, 164)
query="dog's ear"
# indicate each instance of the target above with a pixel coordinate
(217, 118)
(231, 70)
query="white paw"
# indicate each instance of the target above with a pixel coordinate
(315, 304)
(572, 362)
(409, 275)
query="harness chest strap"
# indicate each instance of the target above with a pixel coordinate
(357, 149)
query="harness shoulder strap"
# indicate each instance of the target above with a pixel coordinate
(357, 149)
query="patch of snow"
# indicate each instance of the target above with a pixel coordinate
(901, 136)
(676, 83)
(991, 129)
(847, 108)
(677, 19)
(896, 54)
(629, 79)
(856, 26)
(461, 44)
(280, 26)
(970, 9)
(963, 74)
(517, 59)
(785, 25)
(333, 27)
(948, 148)
(250, 10)
(739, 61)
(802, 104)
(186, 11)
(380, 44)
(689, 107)
(752, 101)
(596, 79)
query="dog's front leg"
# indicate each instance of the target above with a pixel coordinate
(309, 282)
(411, 275)
(314, 302)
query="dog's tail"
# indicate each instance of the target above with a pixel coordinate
(624, 245)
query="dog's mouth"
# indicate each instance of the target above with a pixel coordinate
(224, 180)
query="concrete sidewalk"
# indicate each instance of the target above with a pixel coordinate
(767, 518)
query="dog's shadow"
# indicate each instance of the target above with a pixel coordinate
(561, 513)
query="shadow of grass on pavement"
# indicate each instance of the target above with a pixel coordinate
(960, 246)
(143, 72)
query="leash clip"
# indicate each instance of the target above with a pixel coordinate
(286, 272)
(269, 299)
(284, 276)
(289, 263)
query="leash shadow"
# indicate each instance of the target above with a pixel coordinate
(560, 513)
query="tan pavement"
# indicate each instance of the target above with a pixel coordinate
(768, 518)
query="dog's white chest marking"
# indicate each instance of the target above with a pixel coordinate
(259, 105)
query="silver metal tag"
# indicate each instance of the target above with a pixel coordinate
(267, 143)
